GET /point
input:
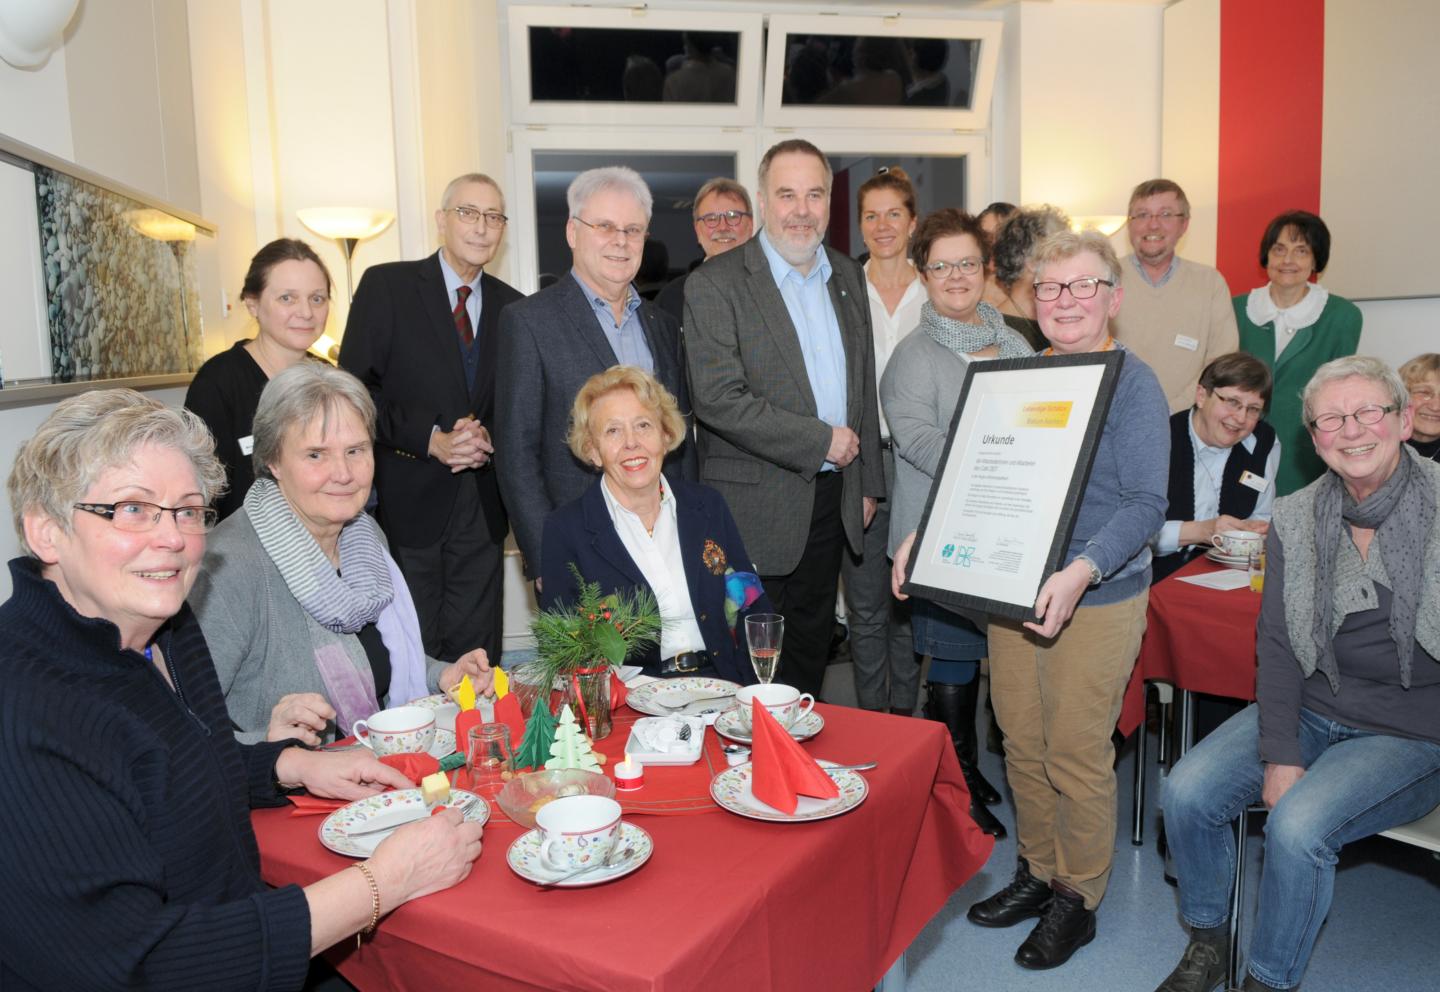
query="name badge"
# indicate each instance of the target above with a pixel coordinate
(247, 444)
(1256, 482)
(1188, 343)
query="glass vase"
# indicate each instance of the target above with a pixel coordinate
(587, 690)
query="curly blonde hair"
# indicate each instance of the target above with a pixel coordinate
(648, 390)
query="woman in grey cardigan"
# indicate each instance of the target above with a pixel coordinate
(307, 616)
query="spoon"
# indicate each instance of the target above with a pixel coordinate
(610, 862)
(863, 767)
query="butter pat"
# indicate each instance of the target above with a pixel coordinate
(435, 789)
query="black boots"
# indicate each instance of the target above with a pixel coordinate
(1066, 927)
(1203, 965)
(954, 706)
(1025, 897)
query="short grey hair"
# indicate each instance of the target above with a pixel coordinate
(295, 397)
(1018, 236)
(1067, 244)
(448, 196)
(89, 434)
(593, 181)
(793, 146)
(722, 184)
(1354, 367)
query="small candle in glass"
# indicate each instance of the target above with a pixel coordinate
(629, 774)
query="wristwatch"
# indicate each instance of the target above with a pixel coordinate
(1096, 577)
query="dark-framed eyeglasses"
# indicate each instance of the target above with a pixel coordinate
(1238, 408)
(607, 230)
(1366, 416)
(730, 218)
(1163, 216)
(137, 516)
(469, 216)
(1080, 289)
(941, 269)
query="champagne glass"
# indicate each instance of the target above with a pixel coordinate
(765, 632)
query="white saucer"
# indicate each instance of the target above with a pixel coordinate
(1229, 561)
(731, 789)
(728, 726)
(334, 832)
(524, 859)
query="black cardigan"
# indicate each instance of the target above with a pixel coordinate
(125, 837)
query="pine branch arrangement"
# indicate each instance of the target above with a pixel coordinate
(594, 627)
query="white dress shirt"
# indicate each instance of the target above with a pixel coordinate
(890, 328)
(1209, 472)
(659, 557)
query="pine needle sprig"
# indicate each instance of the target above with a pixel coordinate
(594, 627)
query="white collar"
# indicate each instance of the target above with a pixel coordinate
(1260, 308)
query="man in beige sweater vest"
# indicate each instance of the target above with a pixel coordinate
(1177, 313)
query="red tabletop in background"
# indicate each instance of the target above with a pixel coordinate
(723, 902)
(1198, 639)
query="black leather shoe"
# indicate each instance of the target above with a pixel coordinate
(1066, 927)
(954, 706)
(1202, 967)
(1253, 984)
(979, 812)
(1025, 897)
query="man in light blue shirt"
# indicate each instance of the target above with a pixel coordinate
(1223, 460)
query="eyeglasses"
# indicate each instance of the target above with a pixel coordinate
(1164, 216)
(1080, 289)
(1365, 416)
(1236, 407)
(469, 216)
(1297, 252)
(730, 218)
(967, 266)
(138, 516)
(607, 230)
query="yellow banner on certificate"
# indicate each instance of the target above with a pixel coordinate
(1046, 414)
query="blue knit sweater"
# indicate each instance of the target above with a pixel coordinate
(125, 838)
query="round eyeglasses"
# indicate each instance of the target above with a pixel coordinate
(137, 516)
(730, 218)
(1365, 416)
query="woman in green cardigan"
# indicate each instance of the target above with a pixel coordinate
(1295, 326)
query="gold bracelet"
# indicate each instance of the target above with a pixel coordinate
(374, 902)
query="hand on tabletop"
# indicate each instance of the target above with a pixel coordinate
(844, 446)
(301, 715)
(475, 664)
(900, 564)
(425, 857)
(1278, 780)
(1058, 597)
(871, 504)
(352, 774)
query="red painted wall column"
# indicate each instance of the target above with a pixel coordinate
(1272, 79)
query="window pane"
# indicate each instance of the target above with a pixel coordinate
(869, 71)
(618, 65)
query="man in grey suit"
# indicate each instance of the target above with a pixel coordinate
(783, 371)
(550, 343)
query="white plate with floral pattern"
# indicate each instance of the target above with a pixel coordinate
(731, 789)
(370, 811)
(524, 859)
(690, 693)
(728, 726)
(444, 708)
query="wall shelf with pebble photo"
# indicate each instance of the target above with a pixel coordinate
(99, 281)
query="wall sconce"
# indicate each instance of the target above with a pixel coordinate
(31, 29)
(1106, 224)
(347, 226)
(173, 231)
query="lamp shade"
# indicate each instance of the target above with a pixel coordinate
(339, 223)
(159, 225)
(31, 29)
(1106, 224)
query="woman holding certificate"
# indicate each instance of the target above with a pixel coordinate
(1057, 681)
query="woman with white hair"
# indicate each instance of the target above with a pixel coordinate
(126, 823)
(308, 617)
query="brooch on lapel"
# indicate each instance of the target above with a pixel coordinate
(714, 557)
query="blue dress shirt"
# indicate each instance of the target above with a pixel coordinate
(627, 338)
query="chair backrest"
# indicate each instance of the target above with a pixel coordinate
(1424, 832)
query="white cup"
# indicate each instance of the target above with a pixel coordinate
(1238, 543)
(399, 730)
(786, 703)
(578, 831)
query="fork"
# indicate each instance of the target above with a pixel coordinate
(690, 702)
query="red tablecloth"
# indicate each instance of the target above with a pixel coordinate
(1198, 639)
(724, 902)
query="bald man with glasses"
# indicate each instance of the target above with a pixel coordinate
(724, 219)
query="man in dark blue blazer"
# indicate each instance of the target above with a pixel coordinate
(423, 336)
(550, 343)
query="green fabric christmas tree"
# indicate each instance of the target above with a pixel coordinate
(571, 748)
(539, 735)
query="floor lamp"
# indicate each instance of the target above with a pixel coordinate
(347, 226)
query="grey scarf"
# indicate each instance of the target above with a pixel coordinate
(1402, 514)
(966, 339)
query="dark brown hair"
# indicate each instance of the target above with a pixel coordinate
(1238, 369)
(1308, 227)
(277, 251)
(890, 177)
(944, 223)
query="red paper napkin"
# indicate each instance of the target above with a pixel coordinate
(507, 711)
(465, 721)
(782, 771)
(618, 692)
(412, 766)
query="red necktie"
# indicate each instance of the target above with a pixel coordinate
(462, 317)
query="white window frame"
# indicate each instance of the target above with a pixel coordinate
(744, 112)
(526, 141)
(775, 114)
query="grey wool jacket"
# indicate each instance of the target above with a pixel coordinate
(262, 641)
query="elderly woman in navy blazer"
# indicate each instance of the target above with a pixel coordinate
(636, 529)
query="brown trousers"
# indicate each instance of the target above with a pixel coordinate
(1057, 702)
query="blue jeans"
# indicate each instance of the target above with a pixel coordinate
(1356, 784)
(954, 644)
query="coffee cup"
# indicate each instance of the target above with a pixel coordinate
(398, 730)
(577, 831)
(1238, 543)
(786, 703)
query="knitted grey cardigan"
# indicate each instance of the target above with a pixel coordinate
(262, 641)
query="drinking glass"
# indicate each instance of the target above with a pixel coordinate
(765, 632)
(1257, 570)
(489, 756)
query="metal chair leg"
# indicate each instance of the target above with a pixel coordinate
(1137, 813)
(1242, 827)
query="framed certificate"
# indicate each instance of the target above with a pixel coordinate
(1002, 507)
